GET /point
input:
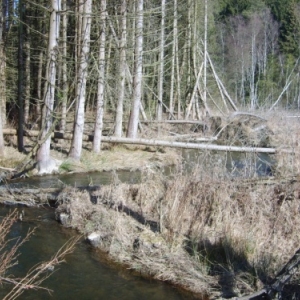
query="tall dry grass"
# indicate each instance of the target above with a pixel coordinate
(209, 234)
(286, 128)
(205, 230)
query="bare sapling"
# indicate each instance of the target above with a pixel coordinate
(9, 254)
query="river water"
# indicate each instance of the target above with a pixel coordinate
(85, 275)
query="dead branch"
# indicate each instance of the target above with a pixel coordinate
(280, 280)
(40, 272)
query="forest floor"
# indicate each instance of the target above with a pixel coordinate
(213, 235)
(112, 156)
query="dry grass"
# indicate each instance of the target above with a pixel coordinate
(206, 233)
(286, 128)
(12, 157)
(129, 158)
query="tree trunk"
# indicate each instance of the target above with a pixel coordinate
(203, 146)
(138, 75)
(161, 62)
(2, 76)
(3, 37)
(39, 85)
(44, 161)
(27, 79)
(101, 81)
(172, 80)
(188, 55)
(153, 142)
(122, 71)
(21, 77)
(76, 145)
(253, 94)
(78, 34)
(205, 62)
(64, 83)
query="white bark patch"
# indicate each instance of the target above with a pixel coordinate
(48, 166)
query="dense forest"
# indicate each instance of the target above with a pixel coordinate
(142, 59)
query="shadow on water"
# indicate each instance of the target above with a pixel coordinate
(85, 275)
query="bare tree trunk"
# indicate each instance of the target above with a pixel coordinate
(161, 62)
(137, 80)
(27, 80)
(2, 65)
(101, 84)
(45, 162)
(221, 86)
(78, 34)
(76, 145)
(2, 76)
(253, 95)
(122, 71)
(64, 83)
(174, 49)
(21, 77)
(39, 85)
(193, 96)
(178, 81)
(188, 53)
(205, 61)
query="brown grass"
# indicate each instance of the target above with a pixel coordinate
(200, 231)
(203, 231)
(286, 139)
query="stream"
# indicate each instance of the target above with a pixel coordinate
(86, 274)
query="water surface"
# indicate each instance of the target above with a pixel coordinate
(86, 274)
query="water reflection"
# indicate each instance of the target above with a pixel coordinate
(84, 276)
(78, 179)
(230, 164)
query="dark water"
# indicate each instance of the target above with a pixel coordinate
(78, 179)
(85, 275)
(232, 164)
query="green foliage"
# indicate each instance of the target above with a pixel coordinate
(66, 166)
(245, 8)
(284, 11)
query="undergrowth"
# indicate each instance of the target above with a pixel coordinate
(208, 230)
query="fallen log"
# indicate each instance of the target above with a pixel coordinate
(174, 122)
(183, 145)
(28, 196)
(35, 196)
(160, 143)
(281, 279)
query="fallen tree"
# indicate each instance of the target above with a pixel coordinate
(278, 283)
(153, 142)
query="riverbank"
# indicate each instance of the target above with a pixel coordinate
(213, 237)
(216, 238)
(206, 232)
